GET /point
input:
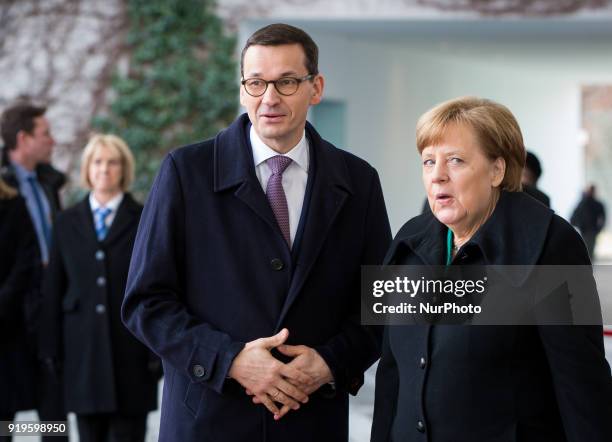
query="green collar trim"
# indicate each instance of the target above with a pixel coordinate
(449, 247)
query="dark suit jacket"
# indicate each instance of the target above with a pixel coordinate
(211, 271)
(105, 368)
(450, 383)
(50, 179)
(536, 193)
(19, 278)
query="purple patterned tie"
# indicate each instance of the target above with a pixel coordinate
(276, 194)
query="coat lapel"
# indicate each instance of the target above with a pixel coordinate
(234, 167)
(513, 237)
(124, 219)
(84, 220)
(330, 190)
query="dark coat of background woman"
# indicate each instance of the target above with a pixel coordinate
(106, 369)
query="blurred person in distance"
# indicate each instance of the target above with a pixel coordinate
(590, 218)
(28, 144)
(447, 383)
(110, 378)
(530, 177)
(19, 267)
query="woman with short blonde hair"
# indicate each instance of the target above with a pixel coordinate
(496, 129)
(113, 141)
(112, 376)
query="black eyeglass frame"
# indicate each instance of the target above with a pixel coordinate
(299, 80)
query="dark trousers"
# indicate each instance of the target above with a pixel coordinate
(6, 417)
(51, 402)
(106, 427)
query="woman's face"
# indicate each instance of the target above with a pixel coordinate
(105, 170)
(461, 182)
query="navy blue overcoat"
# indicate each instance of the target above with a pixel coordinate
(210, 271)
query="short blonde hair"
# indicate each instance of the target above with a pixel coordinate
(108, 140)
(494, 126)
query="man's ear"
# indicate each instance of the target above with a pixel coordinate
(242, 97)
(317, 88)
(21, 137)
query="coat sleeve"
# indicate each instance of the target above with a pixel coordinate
(153, 308)
(580, 373)
(385, 398)
(351, 352)
(20, 281)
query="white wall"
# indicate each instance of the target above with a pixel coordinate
(387, 81)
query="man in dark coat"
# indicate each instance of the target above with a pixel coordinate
(28, 144)
(245, 277)
(590, 218)
(530, 177)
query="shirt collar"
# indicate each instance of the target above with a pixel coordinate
(113, 204)
(22, 173)
(263, 152)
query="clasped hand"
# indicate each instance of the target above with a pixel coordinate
(271, 382)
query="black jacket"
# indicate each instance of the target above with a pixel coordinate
(536, 193)
(105, 368)
(211, 271)
(589, 215)
(19, 270)
(50, 179)
(449, 383)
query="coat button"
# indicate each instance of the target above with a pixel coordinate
(276, 264)
(100, 309)
(422, 362)
(420, 426)
(199, 371)
(100, 255)
(101, 281)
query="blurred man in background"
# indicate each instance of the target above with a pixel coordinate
(26, 157)
(529, 179)
(590, 218)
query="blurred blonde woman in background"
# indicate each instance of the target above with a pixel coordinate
(110, 377)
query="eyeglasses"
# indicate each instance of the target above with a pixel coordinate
(256, 87)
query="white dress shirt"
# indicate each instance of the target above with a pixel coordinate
(295, 175)
(112, 204)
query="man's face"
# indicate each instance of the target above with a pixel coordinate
(279, 120)
(39, 144)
